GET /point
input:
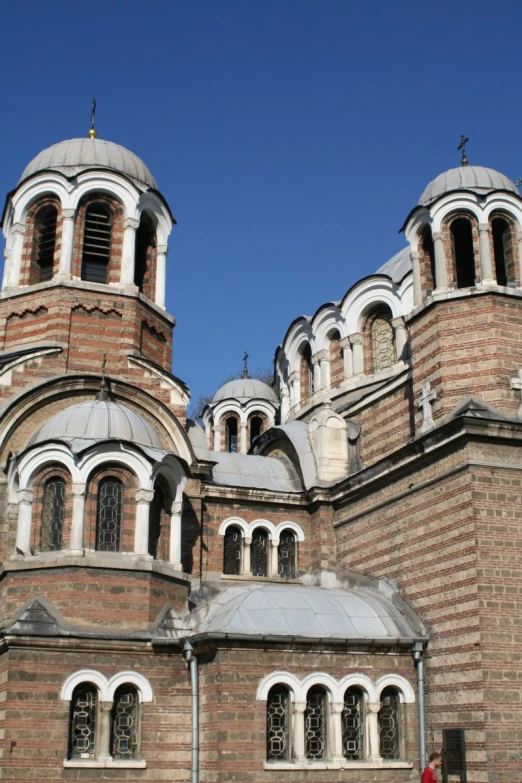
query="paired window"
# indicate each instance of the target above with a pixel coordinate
(237, 552)
(283, 727)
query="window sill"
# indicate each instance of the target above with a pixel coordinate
(104, 764)
(344, 764)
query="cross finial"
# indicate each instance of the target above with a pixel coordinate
(92, 131)
(426, 399)
(462, 146)
(245, 368)
(103, 394)
(516, 383)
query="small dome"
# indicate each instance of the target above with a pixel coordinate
(76, 155)
(245, 389)
(478, 179)
(97, 420)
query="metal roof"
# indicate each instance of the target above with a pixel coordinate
(73, 156)
(398, 266)
(478, 179)
(245, 389)
(310, 612)
(97, 420)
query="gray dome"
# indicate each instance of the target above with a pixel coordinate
(306, 612)
(245, 389)
(75, 155)
(478, 179)
(398, 266)
(97, 420)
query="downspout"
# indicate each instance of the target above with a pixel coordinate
(191, 659)
(418, 649)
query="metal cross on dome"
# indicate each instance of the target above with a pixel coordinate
(245, 368)
(462, 146)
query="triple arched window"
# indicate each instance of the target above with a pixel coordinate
(255, 555)
(364, 730)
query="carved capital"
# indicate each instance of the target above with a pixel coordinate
(299, 706)
(415, 255)
(356, 339)
(18, 228)
(25, 495)
(373, 706)
(144, 496)
(323, 355)
(398, 323)
(275, 543)
(162, 250)
(247, 540)
(176, 508)
(78, 489)
(131, 223)
(484, 227)
(68, 214)
(344, 342)
(437, 236)
(337, 707)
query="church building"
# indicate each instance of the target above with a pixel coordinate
(322, 581)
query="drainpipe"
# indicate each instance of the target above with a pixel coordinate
(418, 650)
(191, 659)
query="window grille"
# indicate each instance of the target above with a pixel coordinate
(109, 514)
(259, 553)
(232, 551)
(277, 734)
(53, 508)
(389, 724)
(315, 724)
(352, 720)
(383, 347)
(45, 231)
(96, 244)
(82, 732)
(124, 723)
(286, 555)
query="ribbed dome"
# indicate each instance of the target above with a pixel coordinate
(475, 178)
(245, 389)
(75, 155)
(97, 420)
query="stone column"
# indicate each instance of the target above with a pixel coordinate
(324, 364)
(161, 275)
(273, 568)
(103, 743)
(336, 734)
(441, 275)
(175, 534)
(285, 403)
(243, 444)
(401, 338)
(299, 731)
(356, 341)
(245, 560)
(12, 273)
(295, 389)
(144, 498)
(66, 252)
(372, 721)
(347, 357)
(7, 267)
(519, 238)
(486, 264)
(417, 285)
(25, 512)
(78, 518)
(316, 369)
(217, 437)
(128, 256)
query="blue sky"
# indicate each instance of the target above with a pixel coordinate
(290, 137)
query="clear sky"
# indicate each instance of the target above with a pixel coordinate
(290, 137)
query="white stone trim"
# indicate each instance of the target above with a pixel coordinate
(85, 675)
(359, 680)
(278, 678)
(328, 682)
(289, 526)
(233, 521)
(130, 678)
(103, 453)
(49, 454)
(273, 532)
(406, 692)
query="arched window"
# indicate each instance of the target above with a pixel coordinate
(231, 433)
(259, 552)
(82, 722)
(125, 723)
(504, 252)
(315, 723)
(352, 719)
(382, 340)
(256, 428)
(158, 508)
(286, 554)
(277, 724)
(463, 253)
(53, 508)
(96, 243)
(145, 243)
(427, 263)
(45, 241)
(109, 515)
(336, 360)
(306, 374)
(389, 730)
(232, 551)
